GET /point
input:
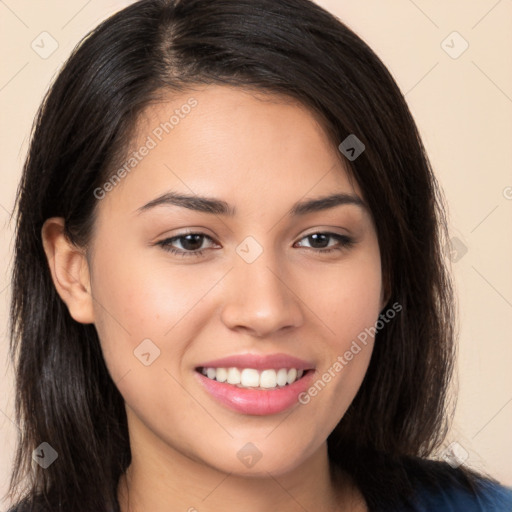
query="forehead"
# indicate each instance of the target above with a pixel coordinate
(245, 146)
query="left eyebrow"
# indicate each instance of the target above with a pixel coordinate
(325, 203)
(219, 207)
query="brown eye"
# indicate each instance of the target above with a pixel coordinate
(320, 242)
(190, 244)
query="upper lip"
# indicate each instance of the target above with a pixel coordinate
(259, 362)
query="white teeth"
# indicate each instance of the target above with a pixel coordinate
(282, 377)
(233, 376)
(251, 378)
(292, 375)
(268, 379)
(222, 375)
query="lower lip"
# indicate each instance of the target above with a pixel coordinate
(254, 401)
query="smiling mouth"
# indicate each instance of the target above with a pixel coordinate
(250, 378)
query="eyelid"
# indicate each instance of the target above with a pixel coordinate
(327, 230)
(344, 242)
(313, 231)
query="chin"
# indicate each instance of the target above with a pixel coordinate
(257, 460)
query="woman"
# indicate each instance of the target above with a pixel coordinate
(229, 289)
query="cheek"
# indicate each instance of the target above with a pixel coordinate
(144, 329)
(349, 300)
(136, 300)
(131, 304)
(349, 309)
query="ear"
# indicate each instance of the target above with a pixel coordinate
(69, 269)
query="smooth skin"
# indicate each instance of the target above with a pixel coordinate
(260, 154)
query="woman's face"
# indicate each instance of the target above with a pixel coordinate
(262, 293)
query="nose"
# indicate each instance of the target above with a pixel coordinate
(261, 298)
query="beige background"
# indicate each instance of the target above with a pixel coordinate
(463, 107)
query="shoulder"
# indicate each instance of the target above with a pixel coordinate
(440, 487)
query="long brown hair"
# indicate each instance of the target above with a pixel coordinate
(64, 393)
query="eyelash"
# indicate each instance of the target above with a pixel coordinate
(345, 242)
